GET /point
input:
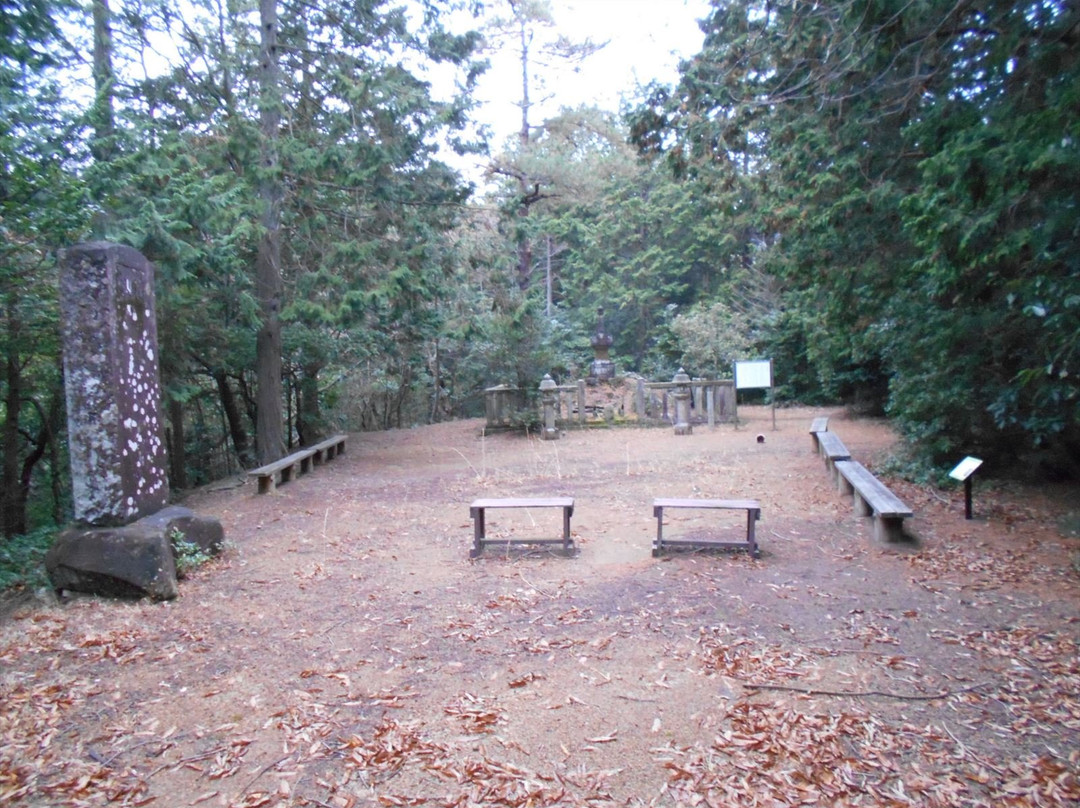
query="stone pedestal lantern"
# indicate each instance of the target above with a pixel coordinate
(547, 399)
(682, 403)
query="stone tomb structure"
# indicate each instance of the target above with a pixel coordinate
(122, 540)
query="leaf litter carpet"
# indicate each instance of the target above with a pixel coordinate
(345, 651)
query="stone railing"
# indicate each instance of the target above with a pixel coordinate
(707, 401)
(500, 404)
(712, 401)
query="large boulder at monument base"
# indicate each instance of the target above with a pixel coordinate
(134, 561)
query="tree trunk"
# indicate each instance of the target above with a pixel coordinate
(12, 518)
(50, 421)
(309, 423)
(524, 245)
(177, 456)
(436, 385)
(102, 110)
(269, 435)
(233, 420)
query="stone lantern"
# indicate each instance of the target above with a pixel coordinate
(548, 391)
(682, 403)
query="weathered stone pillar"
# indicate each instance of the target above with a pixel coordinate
(682, 403)
(126, 537)
(639, 399)
(115, 431)
(581, 410)
(710, 403)
(548, 390)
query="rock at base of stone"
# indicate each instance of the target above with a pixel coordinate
(202, 531)
(132, 561)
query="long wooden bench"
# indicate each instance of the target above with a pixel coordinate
(479, 508)
(300, 462)
(328, 449)
(873, 498)
(833, 450)
(820, 424)
(753, 513)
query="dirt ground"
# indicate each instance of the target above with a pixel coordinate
(346, 651)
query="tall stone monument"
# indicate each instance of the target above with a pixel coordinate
(118, 463)
(122, 542)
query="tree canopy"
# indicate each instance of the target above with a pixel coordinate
(882, 197)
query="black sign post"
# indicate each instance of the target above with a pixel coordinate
(963, 471)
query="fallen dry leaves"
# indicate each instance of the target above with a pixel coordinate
(341, 681)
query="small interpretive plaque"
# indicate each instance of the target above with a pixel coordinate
(965, 468)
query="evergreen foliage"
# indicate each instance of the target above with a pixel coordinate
(910, 172)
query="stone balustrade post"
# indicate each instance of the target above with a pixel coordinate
(682, 403)
(548, 391)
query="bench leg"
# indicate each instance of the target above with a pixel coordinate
(478, 532)
(752, 517)
(566, 529)
(305, 465)
(861, 506)
(842, 484)
(658, 545)
(286, 474)
(266, 483)
(888, 529)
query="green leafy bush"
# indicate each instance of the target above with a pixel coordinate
(189, 555)
(22, 559)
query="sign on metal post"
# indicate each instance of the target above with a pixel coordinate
(755, 375)
(963, 471)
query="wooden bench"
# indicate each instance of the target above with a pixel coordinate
(753, 513)
(818, 425)
(283, 470)
(480, 506)
(833, 450)
(328, 449)
(873, 498)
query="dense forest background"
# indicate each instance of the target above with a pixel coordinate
(881, 196)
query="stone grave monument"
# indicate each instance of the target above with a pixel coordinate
(122, 542)
(602, 368)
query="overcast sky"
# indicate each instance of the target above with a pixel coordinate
(646, 40)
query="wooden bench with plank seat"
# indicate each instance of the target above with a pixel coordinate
(282, 471)
(820, 424)
(328, 449)
(479, 508)
(753, 513)
(873, 498)
(833, 450)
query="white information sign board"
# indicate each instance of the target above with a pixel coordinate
(965, 468)
(753, 375)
